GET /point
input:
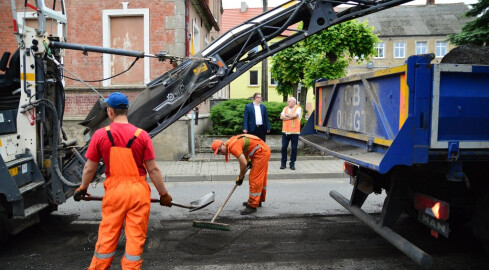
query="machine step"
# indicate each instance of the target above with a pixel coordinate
(17, 162)
(30, 186)
(31, 210)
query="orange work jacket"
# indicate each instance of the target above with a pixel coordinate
(292, 126)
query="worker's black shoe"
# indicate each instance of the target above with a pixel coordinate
(246, 204)
(248, 210)
(282, 166)
(292, 167)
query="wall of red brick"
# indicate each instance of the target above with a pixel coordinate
(9, 42)
(85, 27)
(80, 102)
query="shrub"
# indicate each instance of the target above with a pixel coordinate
(227, 117)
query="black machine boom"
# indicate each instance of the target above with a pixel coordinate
(178, 91)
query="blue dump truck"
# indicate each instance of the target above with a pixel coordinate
(418, 131)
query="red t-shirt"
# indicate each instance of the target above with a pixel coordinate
(99, 147)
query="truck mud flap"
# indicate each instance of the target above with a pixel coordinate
(408, 248)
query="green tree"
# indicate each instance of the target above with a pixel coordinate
(476, 31)
(323, 55)
(284, 89)
(288, 69)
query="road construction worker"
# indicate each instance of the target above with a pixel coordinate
(253, 153)
(128, 154)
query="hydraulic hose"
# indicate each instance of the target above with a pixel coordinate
(56, 128)
(286, 24)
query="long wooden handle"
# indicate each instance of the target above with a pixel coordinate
(222, 206)
(153, 200)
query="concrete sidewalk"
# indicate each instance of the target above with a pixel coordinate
(207, 167)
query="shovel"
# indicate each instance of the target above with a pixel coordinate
(193, 206)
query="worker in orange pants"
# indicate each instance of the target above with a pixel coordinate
(253, 153)
(128, 154)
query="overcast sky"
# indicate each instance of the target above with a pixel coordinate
(274, 3)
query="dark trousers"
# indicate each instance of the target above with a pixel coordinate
(294, 139)
(260, 132)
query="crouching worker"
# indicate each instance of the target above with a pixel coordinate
(127, 152)
(253, 153)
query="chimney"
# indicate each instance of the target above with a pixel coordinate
(244, 7)
(430, 2)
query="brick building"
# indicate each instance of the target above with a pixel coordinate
(179, 27)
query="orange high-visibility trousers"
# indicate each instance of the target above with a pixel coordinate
(127, 199)
(258, 175)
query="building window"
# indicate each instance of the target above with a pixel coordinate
(253, 77)
(421, 47)
(273, 82)
(125, 29)
(441, 48)
(206, 41)
(399, 50)
(379, 47)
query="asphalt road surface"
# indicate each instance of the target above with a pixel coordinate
(312, 235)
(315, 242)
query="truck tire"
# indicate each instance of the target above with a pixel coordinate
(480, 220)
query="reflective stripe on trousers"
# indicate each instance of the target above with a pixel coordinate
(132, 258)
(258, 175)
(103, 255)
(259, 193)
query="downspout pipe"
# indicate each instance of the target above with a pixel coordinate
(187, 28)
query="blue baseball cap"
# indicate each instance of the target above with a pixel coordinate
(117, 100)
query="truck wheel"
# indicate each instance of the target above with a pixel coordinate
(3, 226)
(480, 220)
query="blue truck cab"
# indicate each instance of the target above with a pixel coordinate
(418, 131)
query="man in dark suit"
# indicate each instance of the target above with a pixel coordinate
(255, 120)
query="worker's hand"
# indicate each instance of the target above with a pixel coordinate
(165, 200)
(80, 193)
(249, 165)
(245, 131)
(239, 181)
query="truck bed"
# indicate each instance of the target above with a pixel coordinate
(404, 115)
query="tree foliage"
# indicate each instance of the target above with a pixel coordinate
(324, 55)
(476, 31)
(284, 89)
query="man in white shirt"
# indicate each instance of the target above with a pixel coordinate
(255, 120)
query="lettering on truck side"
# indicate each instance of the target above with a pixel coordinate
(351, 119)
(434, 224)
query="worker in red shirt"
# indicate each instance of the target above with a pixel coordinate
(253, 153)
(128, 154)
